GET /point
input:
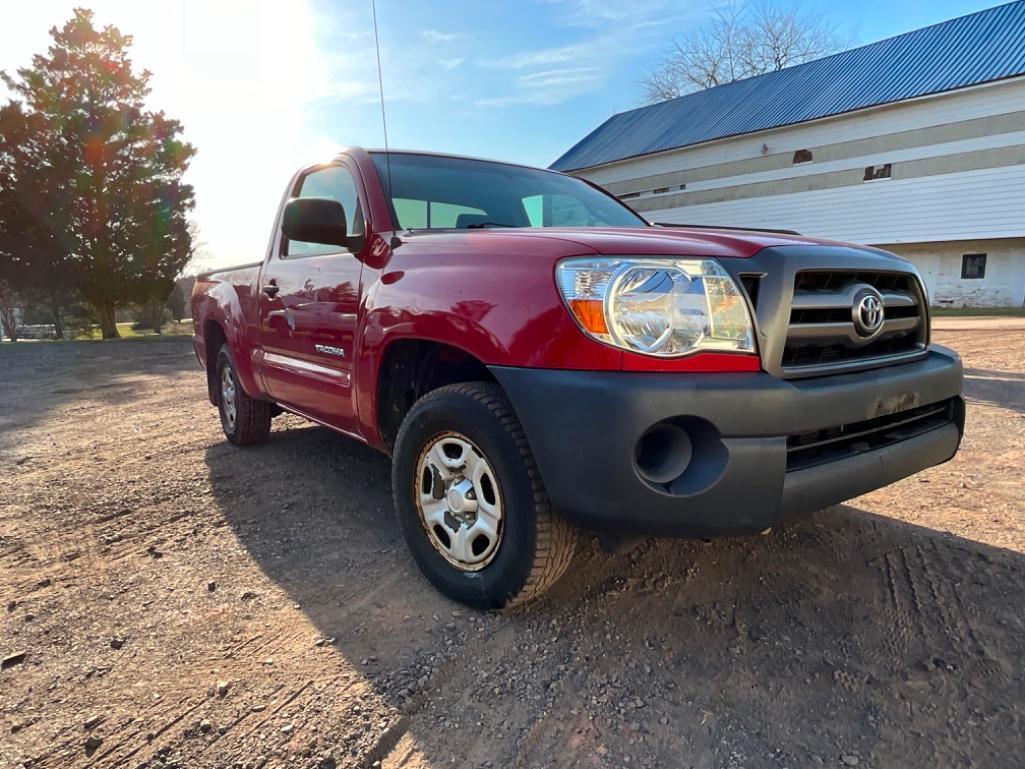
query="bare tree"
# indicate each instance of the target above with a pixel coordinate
(741, 40)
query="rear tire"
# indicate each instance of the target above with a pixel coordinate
(245, 420)
(470, 500)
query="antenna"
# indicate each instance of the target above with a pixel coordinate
(384, 120)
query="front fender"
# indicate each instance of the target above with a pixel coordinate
(501, 313)
(385, 326)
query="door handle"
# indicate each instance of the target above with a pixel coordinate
(271, 290)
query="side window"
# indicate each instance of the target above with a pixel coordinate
(333, 182)
(556, 211)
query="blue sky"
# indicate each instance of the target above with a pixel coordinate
(264, 86)
(523, 81)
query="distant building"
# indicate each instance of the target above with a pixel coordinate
(915, 144)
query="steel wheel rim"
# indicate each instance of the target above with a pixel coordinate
(229, 398)
(459, 501)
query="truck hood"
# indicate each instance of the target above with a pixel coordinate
(648, 241)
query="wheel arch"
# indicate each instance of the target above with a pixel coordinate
(412, 367)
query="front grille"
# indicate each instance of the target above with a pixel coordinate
(822, 334)
(835, 443)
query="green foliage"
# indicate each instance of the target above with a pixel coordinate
(92, 194)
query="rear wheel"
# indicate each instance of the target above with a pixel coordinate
(245, 420)
(471, 502)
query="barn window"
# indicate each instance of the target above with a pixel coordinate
(802, 156)
(659, 190)
(878, 172)
(973, 266)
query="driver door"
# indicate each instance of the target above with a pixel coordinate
(309, 302)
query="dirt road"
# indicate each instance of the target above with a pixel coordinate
(179, 602)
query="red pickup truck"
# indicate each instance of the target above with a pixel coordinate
(536, 357)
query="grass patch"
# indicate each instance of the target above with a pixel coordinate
(170, 330)
(976, 312)
(124, 329)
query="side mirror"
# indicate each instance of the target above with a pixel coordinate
(315, 220)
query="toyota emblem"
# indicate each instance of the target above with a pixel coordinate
(868, 313)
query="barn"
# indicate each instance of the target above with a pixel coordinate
(915, 144)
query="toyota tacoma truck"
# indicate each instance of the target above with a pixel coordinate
(537, 359)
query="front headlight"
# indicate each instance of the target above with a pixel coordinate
(663, 307)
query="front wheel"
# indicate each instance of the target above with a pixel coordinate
(471, 502)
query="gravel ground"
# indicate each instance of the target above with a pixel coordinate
(169, 600)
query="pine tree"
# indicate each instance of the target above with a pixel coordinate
(98, 182)
(33, 259)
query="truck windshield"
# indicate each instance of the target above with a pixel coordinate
(431, 192)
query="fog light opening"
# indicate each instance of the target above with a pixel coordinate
(663, 453)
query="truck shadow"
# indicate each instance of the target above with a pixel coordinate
(843, 633)
(1005, 389)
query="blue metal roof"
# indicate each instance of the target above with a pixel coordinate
(984, 46)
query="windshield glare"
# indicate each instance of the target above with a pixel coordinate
(431, 192)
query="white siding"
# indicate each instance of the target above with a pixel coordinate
(932, 219)
(993, 141)
(940, 266)
(991, 99)
(971, 205)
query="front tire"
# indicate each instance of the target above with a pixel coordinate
(245, 420)
(470, 500)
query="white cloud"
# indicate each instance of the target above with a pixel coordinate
(544, 56)
(588, 64)
(552, 86)
(559, 73)
(450, 64)
(597, 13)
(553, 78)
(434, 36)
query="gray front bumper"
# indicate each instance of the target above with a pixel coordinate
(584, 426)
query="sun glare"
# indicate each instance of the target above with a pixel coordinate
(241, 76)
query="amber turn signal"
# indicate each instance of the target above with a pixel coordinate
(591, 314)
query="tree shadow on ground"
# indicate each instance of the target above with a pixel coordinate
(52, 375)
(842, 634)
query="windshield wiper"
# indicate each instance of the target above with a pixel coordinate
(483, 225)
